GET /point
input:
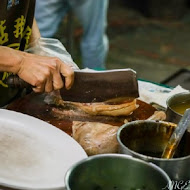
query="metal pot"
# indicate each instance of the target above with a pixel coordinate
(114, 172)
(171, 114)
(147, 139)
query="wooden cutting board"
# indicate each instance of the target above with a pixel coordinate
(33, 104)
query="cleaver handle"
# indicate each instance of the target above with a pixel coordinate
(14, 81)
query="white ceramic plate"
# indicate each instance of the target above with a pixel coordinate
(33, 153)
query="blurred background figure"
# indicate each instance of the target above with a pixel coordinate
(92, 14)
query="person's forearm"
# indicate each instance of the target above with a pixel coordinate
(10, 59)
(44, 73)
(35, 32)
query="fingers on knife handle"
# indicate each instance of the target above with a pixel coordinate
(14, 81)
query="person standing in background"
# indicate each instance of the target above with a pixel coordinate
(92, 14)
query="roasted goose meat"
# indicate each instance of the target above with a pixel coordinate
(109, 108)
(99, 138)
(95, 137)
(122, 109)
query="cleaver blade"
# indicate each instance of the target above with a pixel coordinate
(98, 86)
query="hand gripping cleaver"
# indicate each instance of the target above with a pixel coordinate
(98, 86)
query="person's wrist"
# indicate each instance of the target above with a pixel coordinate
(18, 61)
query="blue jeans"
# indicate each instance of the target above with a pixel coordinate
(92, 15)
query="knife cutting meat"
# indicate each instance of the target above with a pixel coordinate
(110, 92)
(94, 86)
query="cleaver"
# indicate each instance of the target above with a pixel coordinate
(95, 86)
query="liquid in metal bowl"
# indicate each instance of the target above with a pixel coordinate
(147, 139)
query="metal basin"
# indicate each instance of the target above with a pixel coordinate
(175, 104)
(115, 172)
(146, 140)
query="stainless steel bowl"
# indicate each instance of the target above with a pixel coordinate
(115, 172)
(147, 139)
(171, 114)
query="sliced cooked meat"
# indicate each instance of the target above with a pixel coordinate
(121, 109)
